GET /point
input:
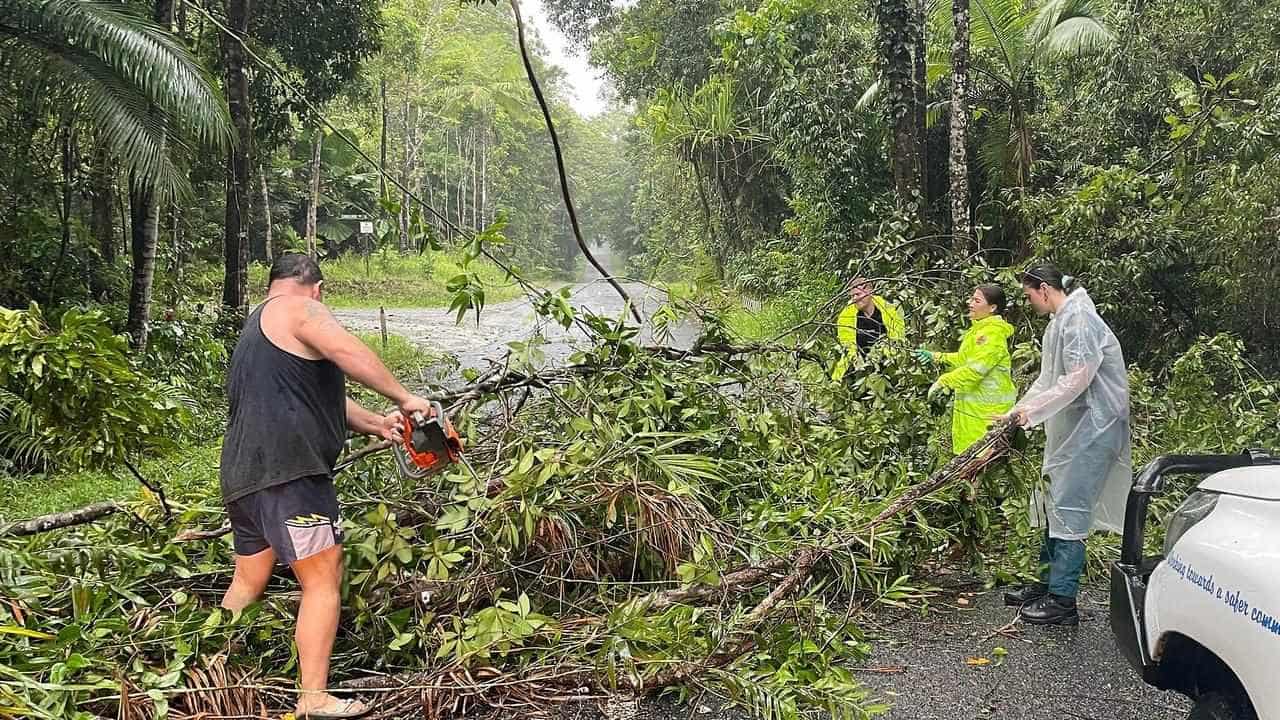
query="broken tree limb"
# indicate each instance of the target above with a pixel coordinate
(55, 521)
(962, 467)
(741, 639)
(155, 488)
(192, 535)
(803, 560)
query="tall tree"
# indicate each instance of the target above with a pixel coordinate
(896, 28)
(313, 192)
(382, 142)
(958, 162)
(102, 222)
(266, 214)
(144, 208)
(920, 83)
(235, 235)
(144, 211)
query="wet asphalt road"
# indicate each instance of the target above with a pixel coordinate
(475, 342)
(1048, 672)
(514, 321)
(944, 666)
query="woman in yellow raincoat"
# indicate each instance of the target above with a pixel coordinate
(980, 372)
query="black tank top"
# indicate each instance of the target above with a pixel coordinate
(288, 416)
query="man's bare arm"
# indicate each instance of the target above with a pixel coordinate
(321, 331)
(363, 420)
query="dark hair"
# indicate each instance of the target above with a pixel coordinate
(296, 266)
(1046, 274)
(994, 294)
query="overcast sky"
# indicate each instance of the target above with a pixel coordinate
(584, 79)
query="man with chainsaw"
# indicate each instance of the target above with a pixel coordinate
(289, 417)
(868, 319)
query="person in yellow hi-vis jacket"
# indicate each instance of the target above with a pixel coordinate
(981, 372)
(866, 320)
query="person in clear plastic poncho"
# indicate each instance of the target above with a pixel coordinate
(1082, 398)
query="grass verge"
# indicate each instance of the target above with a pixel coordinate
(191, 471)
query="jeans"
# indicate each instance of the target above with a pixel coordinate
(1061, 562)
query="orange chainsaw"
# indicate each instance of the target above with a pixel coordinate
(427, 445)
(430, 444)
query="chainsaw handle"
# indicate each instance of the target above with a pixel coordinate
(437, 412)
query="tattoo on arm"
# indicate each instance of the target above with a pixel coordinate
(319, 317)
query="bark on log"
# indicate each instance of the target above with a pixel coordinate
(55, 521)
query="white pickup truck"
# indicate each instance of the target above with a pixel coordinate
(1204, 618)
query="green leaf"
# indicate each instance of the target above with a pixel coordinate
(24, 632)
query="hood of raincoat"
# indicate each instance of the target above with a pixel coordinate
(993, 325)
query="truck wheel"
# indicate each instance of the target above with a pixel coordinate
(1220, 706)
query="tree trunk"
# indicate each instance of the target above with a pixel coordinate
(405, 160)
(123, 212)
(69, 164)
(895, 39)
(268, 239)
(920, 61)
(961, 225)
(444, 185)
(235, 289)
(462, 183)
(102, 224)
(475, 183)
(486, 218)
(144, 208)
(382, 147)
(313, 198)
(175, 242)
(144, 211)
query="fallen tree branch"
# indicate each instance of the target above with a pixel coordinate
(192, 535)
(55, 521)
(803, 560)
(793, 569)
(962, 467)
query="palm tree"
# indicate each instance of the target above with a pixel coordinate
(1011, 43)
(147, 97)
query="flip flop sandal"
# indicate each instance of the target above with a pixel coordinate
(349, 708)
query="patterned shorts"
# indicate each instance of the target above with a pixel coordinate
(297, 519)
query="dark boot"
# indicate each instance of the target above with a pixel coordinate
(1051, 610)
(1025, 594)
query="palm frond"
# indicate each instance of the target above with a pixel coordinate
(1074, 36)
(136, 137)
(20, 439)
(1000, 26)
(868, 96)
(137, 81)
(935, 110)
(994, 151)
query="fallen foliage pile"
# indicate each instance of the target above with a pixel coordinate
(711, 519)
